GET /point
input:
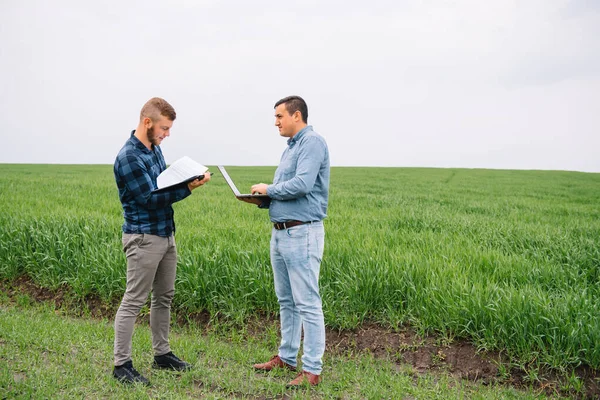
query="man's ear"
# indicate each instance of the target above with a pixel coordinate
(147, 122)
(297, 116)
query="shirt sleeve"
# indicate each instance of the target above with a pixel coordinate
(310, 156)
(137, 181)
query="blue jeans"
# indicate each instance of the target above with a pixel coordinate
(296, 255)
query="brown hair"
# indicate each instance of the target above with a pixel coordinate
(156, 107)
(293, 104)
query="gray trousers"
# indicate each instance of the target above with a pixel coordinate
(151, 266)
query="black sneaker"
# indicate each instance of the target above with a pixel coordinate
(127, 374)
(170, 361)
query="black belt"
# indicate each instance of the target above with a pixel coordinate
(288, 224)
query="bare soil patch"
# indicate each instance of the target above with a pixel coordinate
(404, 347)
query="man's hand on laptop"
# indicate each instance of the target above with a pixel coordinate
(259, 188)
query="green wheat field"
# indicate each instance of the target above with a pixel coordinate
(509, 260)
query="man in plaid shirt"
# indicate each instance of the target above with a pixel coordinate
(148, 240)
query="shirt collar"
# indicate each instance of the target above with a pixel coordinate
(138, 143)
(292, 141)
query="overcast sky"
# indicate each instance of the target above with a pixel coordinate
(464, 83)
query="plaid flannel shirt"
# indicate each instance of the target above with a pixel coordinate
(136, 169)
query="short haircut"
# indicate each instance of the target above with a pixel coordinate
(155, 107)
(293, 104)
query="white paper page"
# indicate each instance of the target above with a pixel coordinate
(180, 171)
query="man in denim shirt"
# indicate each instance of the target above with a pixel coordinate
(297, 207)
(148, 239)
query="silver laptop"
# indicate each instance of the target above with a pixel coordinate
(235, 189)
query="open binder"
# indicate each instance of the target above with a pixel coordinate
(181, 171)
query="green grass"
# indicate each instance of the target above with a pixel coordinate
(49, 355)
(508, 259)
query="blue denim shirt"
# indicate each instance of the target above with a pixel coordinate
(300, 189)
(136, 168)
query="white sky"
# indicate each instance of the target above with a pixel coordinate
(466, 83)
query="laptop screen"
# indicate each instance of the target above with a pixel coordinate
(234, 188)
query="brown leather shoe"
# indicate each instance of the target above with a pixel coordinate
(303, 378)
(274, 362)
